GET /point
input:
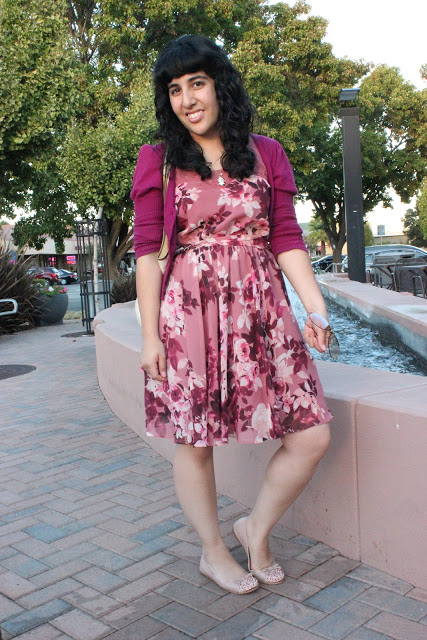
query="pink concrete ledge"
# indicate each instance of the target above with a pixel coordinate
(367, 498)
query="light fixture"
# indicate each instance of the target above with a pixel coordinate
(346, 95)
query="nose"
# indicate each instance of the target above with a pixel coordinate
(188, 98)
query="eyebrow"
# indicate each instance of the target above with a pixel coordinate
(175, 84)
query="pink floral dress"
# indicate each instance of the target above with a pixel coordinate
(237, 364)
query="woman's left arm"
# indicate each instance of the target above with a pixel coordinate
(296, 266)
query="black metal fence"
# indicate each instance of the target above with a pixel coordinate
(95, 291)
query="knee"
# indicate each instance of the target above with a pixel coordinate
(187, 454)
(312, 442)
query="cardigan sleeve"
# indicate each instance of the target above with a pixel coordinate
(147, 195)
(285, 233)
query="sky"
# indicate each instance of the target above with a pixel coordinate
(377, 31)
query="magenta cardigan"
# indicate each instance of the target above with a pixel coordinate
(151, 215)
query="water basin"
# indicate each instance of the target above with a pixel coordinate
(360, 344)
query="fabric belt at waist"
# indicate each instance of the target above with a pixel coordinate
(259, 243)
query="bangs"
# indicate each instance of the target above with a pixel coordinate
(185, 57)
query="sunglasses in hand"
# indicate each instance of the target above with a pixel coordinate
(319, 322)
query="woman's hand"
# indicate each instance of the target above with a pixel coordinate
(153, 359)
(316, 337)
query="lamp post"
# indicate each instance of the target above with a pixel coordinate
(353, 195)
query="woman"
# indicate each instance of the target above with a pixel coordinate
(222, 352)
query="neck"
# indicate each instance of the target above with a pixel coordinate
(212, 150)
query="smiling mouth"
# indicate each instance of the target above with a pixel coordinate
(195, 116)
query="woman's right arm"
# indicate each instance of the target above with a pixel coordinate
(148, 288)
(148, 230)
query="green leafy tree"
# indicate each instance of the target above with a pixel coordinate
(34, 109)
(422, 208)
(369, 236)
(393, 156)
(412, 227)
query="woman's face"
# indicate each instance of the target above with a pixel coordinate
(194, 102)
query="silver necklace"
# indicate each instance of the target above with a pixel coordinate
(220, 180)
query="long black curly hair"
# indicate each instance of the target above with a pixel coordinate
(189, 54)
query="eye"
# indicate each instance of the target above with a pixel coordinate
(173, 91)
(199, 83)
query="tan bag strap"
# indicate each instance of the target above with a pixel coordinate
(166, 173)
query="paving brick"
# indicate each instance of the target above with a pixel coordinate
(67, 555)
(141, 630)
(294, 568)
(329, 571)
(170, 634)
(394, 603)
(108, 560)
(44, 632)
(186, 550)
(285, 548)
(46, 532)
(293, 589)
(28, 620)
(135, 610)
(317, 554)
(224, 607)
(377, 578)
(120, 527)
(41, 596)
(12, 538)
(418, 594)
(81, 595)
(8, 608)
(186, 571)
(187, 594)
(278, 630)
(239, 626)
(152, 533)
(366, 634)
(64, 571)
(118, 544)
(343, 621)
(34, 548)
(397, 627)
(99, 579)
(24, 565)
(137, 588)
(336, 594)
(14, 586)
(184, 619)
(289, 611)
(82, 535)
(100, 606)
(152, 563)
(81, 626)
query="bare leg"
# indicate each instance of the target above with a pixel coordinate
(196, 491)
(288, 472)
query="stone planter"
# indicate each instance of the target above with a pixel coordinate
(51, 310)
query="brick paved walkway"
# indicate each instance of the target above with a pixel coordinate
(93, 544)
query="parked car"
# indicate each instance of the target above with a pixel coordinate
(323, 264)
(67, 277)
(50, 274)
(392, 249)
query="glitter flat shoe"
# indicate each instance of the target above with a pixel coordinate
(247, 584)
(272, 574)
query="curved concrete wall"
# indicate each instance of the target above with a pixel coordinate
(367, 498)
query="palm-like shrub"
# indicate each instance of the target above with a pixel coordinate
(124, 288)
(17, 284)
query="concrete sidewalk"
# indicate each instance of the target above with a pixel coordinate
(93, 543)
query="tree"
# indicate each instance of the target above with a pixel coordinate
(422, 208)
(369, 236)
(33, 50)
(393, 156)
(113, 45)
(412, 227)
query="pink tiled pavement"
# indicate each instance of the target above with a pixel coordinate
(94, 545)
